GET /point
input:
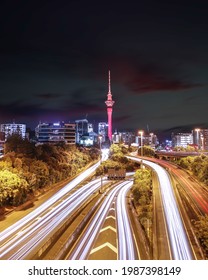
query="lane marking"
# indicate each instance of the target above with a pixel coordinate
(110, 217)
(107, 244)
(108, 227)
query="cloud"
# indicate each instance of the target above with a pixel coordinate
(140, 76)
(30, 114)
(49, 95)
(150, 80)
(122, 118)
(19, 108)
(146, 83)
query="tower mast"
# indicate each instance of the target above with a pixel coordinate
(109, 103)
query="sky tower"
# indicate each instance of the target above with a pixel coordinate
(109, 103)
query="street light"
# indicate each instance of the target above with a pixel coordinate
(100, 139)
(101, 178)
(141, 133)
(202, 142)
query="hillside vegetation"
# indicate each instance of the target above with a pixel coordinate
(26, 168)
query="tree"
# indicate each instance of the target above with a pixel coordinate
(202, 232)
(18, 164)
(146, 151)
(94, 153)
(45, 165)
(114, 149)
(203, 173)
(40, 169)
(5, 165)
(13, 189)
(142, 186)
(15, 143)
(197, 165)
(186, 162)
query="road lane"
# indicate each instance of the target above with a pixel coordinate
(181, 249)
(19, 244)
(85, 244)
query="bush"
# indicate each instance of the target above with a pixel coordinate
(25, 169)
(202, 232)
(13, 189)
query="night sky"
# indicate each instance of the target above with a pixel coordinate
(55, 57)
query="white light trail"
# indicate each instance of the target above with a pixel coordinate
(178, 239)
(126, 248)
(28, 238)
(125, 239)
(34, 214)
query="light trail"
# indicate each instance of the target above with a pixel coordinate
(20, 239)
(125, 239)
(178, 239)
(126, 248)
(31, 235)
(34, 214)
(198, 195)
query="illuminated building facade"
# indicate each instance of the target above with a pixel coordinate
(2, 141)
(109, 103)
(85, 136)
(200, 138)
(81, 129)
(182, 139)
(56, 132)
(103, 130)
(13, 128)
(205, 139)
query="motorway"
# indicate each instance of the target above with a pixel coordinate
(196, 192)
(28, 236)
(23, 239)
(179, 242)
(192, 198)
(32, 235)
(126, 245)
(105, 231)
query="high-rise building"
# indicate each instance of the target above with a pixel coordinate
(200, 138)
(2, 141)
(82, 127)
(13, 128)
(109, 103)
(103, 130)
(55, 132)
(182, 139)
(205, 139)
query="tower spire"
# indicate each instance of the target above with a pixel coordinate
(109, 88)
(109, 82)
(109, 103)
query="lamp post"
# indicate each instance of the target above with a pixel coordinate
(151, 139)
(141, 133)
(100, 140)
(202, 142)
(101, 178)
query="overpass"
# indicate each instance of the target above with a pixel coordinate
(177, 155)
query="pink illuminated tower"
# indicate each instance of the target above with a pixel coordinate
(109, 103)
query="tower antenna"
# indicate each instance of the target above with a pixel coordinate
(109, 82)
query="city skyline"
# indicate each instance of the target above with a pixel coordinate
(55, 59)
